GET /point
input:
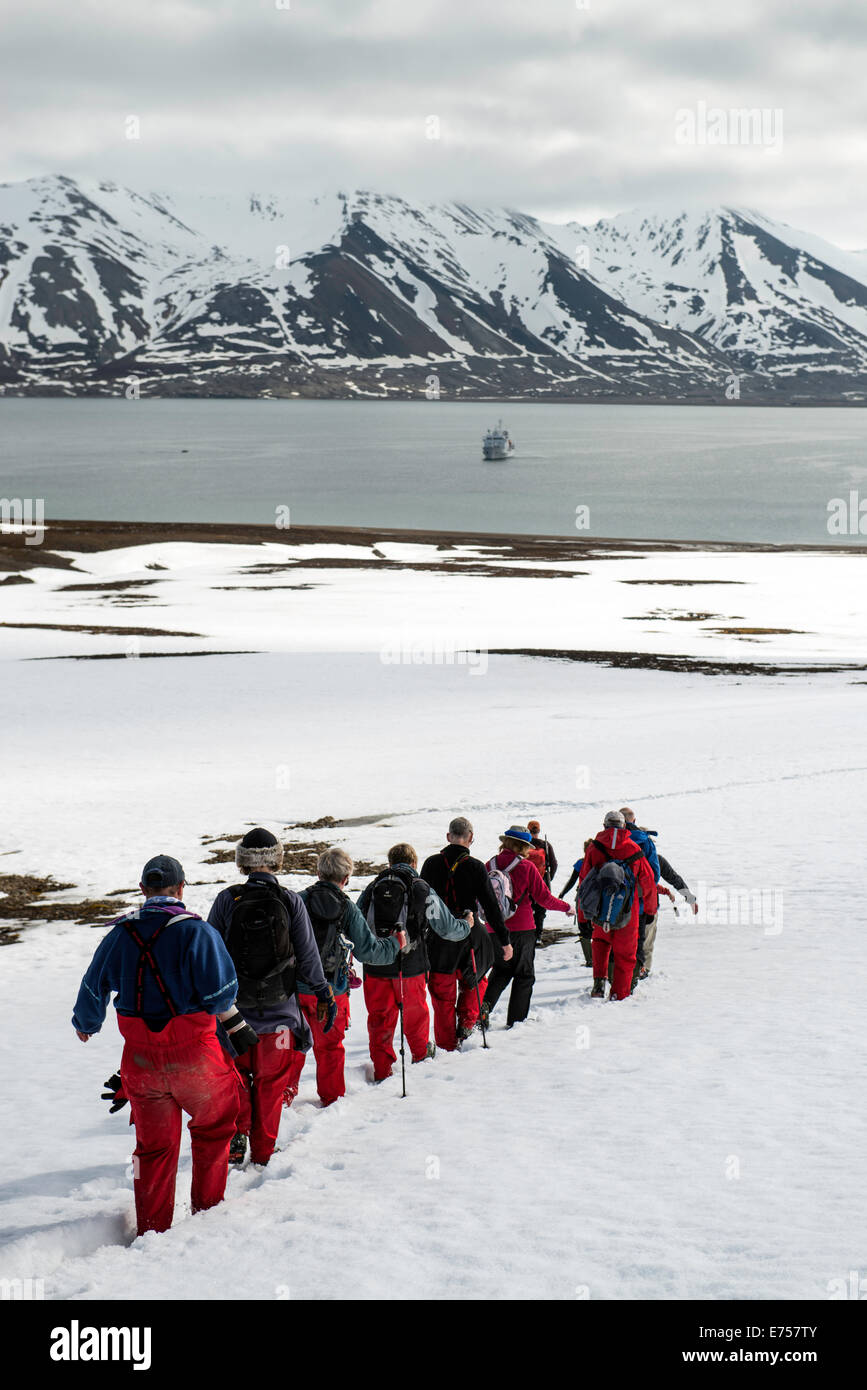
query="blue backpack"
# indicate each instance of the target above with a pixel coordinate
(605, 895)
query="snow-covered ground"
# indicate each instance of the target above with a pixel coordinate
(702, 1139)
(408, 601)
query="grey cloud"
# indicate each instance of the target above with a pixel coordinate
(542, 105)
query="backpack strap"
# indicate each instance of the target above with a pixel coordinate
(450, 872)
(146, 957)
(526, 893)
(630, 859)
(460, 859)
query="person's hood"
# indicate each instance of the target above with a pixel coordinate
(618, 840)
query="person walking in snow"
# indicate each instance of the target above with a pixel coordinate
(526, 888)
(615, 843)
(399, 899)
(269, 936)
(543, 856)
(340, 929)
(456, 981)
(172, 978)
(585, 931)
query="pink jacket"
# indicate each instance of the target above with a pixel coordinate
(528, 887)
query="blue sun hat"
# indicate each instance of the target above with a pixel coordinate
(517, 832)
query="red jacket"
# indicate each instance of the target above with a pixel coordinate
(528, 887)
(621, 845)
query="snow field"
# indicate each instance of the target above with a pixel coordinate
(808, 608)
(702, 1139)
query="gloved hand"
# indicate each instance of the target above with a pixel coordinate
(691, 899)
(114, 1092)
(241, 1035)
(326, 1009)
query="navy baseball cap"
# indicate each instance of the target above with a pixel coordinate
(162, 872)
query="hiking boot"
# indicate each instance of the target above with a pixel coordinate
(598, 990)
(462, 1033)
(237, 1150)
(485, 1016)
(430, 1051)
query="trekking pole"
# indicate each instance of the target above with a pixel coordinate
(478, 996)
(402, 1048)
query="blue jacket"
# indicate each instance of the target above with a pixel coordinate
(644, 840)
(195, 966)
(274, 1018)
(369, 949)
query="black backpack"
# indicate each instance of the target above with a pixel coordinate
(260, 944)
(327, 908)
(390, 908)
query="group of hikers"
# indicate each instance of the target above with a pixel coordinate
(217, 1017)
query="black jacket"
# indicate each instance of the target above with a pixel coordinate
(472, 888)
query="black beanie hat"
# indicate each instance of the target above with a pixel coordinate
(259, 849)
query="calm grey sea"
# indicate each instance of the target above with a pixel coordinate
(704, 473)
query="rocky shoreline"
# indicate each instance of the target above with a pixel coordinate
(84, 536)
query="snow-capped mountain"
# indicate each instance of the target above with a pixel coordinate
(364, 294)
(773, 299)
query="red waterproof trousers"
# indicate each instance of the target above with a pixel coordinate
(453, 1003)
(624, 945)
(382, 997)
(263, 1073)
(183, 1067)
(328, 1050)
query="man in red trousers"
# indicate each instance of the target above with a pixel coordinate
(269, 937)
(398, 900)
(173, 977)
(340, 931)
(615, 843)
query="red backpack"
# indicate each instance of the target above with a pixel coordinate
(539, 858)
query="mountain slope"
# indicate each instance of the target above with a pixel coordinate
(770, 298)
(371, 295)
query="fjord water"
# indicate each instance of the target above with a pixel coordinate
(727, 473)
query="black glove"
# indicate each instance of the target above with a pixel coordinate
(241, 1035)
(326, 1009)
(114, 1092)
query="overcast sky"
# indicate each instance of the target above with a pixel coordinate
(558, 110)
